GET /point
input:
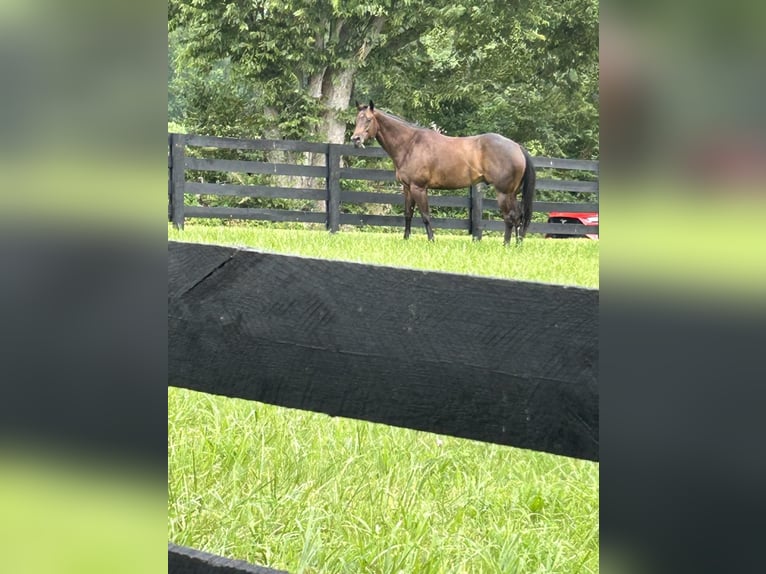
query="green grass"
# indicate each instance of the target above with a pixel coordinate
(565, 261)
(308, 493)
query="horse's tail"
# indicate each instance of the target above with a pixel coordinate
(527, 190)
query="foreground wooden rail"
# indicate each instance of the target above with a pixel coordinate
(507, 362)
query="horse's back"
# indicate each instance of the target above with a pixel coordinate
(493, 141)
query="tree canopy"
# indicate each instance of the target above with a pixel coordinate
(527, 69)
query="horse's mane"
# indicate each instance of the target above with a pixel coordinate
(401, 119)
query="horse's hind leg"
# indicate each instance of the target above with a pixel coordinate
(409, 208)
(506, 204)
(511, 216)
(515, 217)
(420, 197)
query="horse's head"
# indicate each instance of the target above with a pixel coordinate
(366, 124)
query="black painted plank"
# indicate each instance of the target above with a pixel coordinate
(501, 361)
(256, 145)
(490, 204)
(265, 191)
(260, 167)
(573, 186)
(349, 150)
(398, 199)
(184, 560)
(567, 185)
(558, 163)
(263, 214)
(204, 262)
(372, 197)
(367, 174)
(539, 162)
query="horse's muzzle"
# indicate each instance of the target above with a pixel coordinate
(357, 141)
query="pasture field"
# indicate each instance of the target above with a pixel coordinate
(563, 261)
(308, 493)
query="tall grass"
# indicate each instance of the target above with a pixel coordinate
(308, 493)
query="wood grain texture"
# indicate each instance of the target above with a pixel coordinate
(183, 560)
(500, 361)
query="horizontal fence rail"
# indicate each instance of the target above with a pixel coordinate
(511, 362)
(333, 197)
(183, 560)
(495, 360)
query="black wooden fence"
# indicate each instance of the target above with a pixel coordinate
(506, 362)
(334, 197)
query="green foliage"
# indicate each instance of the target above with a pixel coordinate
(529, 72)
(527, 69)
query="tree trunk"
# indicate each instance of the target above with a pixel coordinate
(336, 95)
(275, 156)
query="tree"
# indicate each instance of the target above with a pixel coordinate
(300, 53)
(524, 68)
(528, 70)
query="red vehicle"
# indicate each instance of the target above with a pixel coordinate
(587, 218)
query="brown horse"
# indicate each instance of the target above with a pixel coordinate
(425, 159)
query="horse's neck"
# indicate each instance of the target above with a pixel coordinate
(394, 135)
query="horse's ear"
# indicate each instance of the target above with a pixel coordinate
(372, 106)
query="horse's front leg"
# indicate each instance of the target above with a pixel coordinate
(409, 208)
(420, 196)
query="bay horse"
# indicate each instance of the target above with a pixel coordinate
(425, 159)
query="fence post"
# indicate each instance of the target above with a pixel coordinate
(475, 211)
(177, 143)
(333, 188)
